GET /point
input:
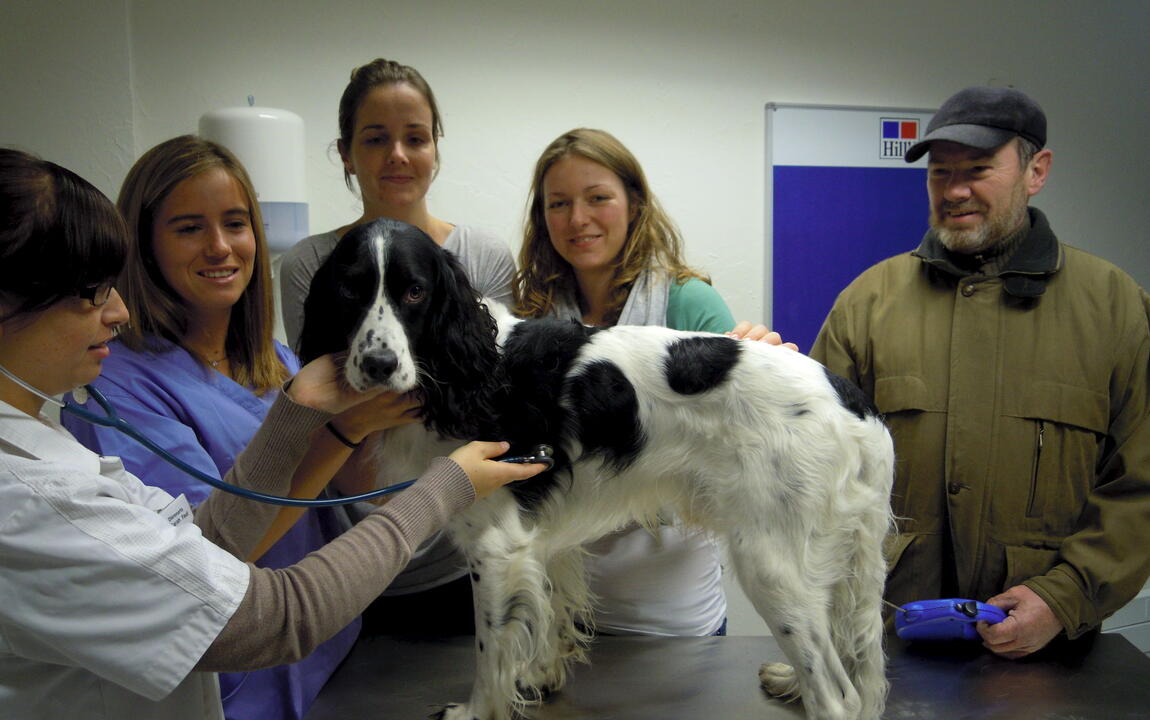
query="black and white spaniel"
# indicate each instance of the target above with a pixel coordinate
(757, 444)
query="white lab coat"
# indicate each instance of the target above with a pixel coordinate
(105, 605)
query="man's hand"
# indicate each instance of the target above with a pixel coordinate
(1028, 627)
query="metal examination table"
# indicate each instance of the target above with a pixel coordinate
(638, 678)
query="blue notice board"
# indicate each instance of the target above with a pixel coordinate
(839, 198)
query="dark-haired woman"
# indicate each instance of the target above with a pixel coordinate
(116, 604)
(389, 131)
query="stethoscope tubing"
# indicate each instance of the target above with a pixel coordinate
(112, 419)
(543, 454)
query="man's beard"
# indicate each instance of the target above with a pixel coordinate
(993, 229)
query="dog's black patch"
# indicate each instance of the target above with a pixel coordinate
(342, 290)
(537, 355)
(851, 397)
(606, 411)
(697, 364)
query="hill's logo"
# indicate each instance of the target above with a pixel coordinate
(896, 135)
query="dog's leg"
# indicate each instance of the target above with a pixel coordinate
(857, 625)
(567, 640)
(856, 615)
(512, 611)
(787, 593)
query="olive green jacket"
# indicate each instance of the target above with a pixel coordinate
(1018, 406)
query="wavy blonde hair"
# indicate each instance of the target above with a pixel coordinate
(156, 309)
(653, 241)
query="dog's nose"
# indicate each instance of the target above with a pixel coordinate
(380, 365)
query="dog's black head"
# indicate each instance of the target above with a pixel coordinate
(403, 310)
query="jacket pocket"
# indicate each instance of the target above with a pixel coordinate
(1078, 407)
(915, 415)
(1059, 430)
(1039, 443)
(914, 570)
(904, 393)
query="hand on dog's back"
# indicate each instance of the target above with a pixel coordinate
(488, 475)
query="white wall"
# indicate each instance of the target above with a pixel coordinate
(65, 85)
(683, 84)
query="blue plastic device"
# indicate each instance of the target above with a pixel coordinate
(944, 619)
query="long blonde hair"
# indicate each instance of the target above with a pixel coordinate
(653, 241)
(156, 309)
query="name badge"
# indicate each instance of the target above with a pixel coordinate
(177, 512)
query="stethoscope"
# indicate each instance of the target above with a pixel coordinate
(112, 419)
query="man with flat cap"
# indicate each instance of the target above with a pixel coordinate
(1012, 372)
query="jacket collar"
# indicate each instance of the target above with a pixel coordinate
(41, 438)
(1025, 274)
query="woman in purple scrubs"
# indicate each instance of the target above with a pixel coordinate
(198, 369)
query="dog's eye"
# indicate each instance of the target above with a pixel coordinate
(414, 294)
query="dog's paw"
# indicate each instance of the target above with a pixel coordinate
(533, 695)
(452, 711)
(538, 684)
(780, 681)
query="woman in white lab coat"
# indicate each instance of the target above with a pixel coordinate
(114, 601)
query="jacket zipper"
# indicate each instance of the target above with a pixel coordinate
(1034, 472)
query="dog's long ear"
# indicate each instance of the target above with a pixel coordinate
(460, 358)
(317, 337)
(335, 302)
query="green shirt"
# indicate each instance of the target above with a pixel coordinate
(695, 305)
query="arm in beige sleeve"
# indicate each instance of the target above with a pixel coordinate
(267, 465)
(286, 613)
